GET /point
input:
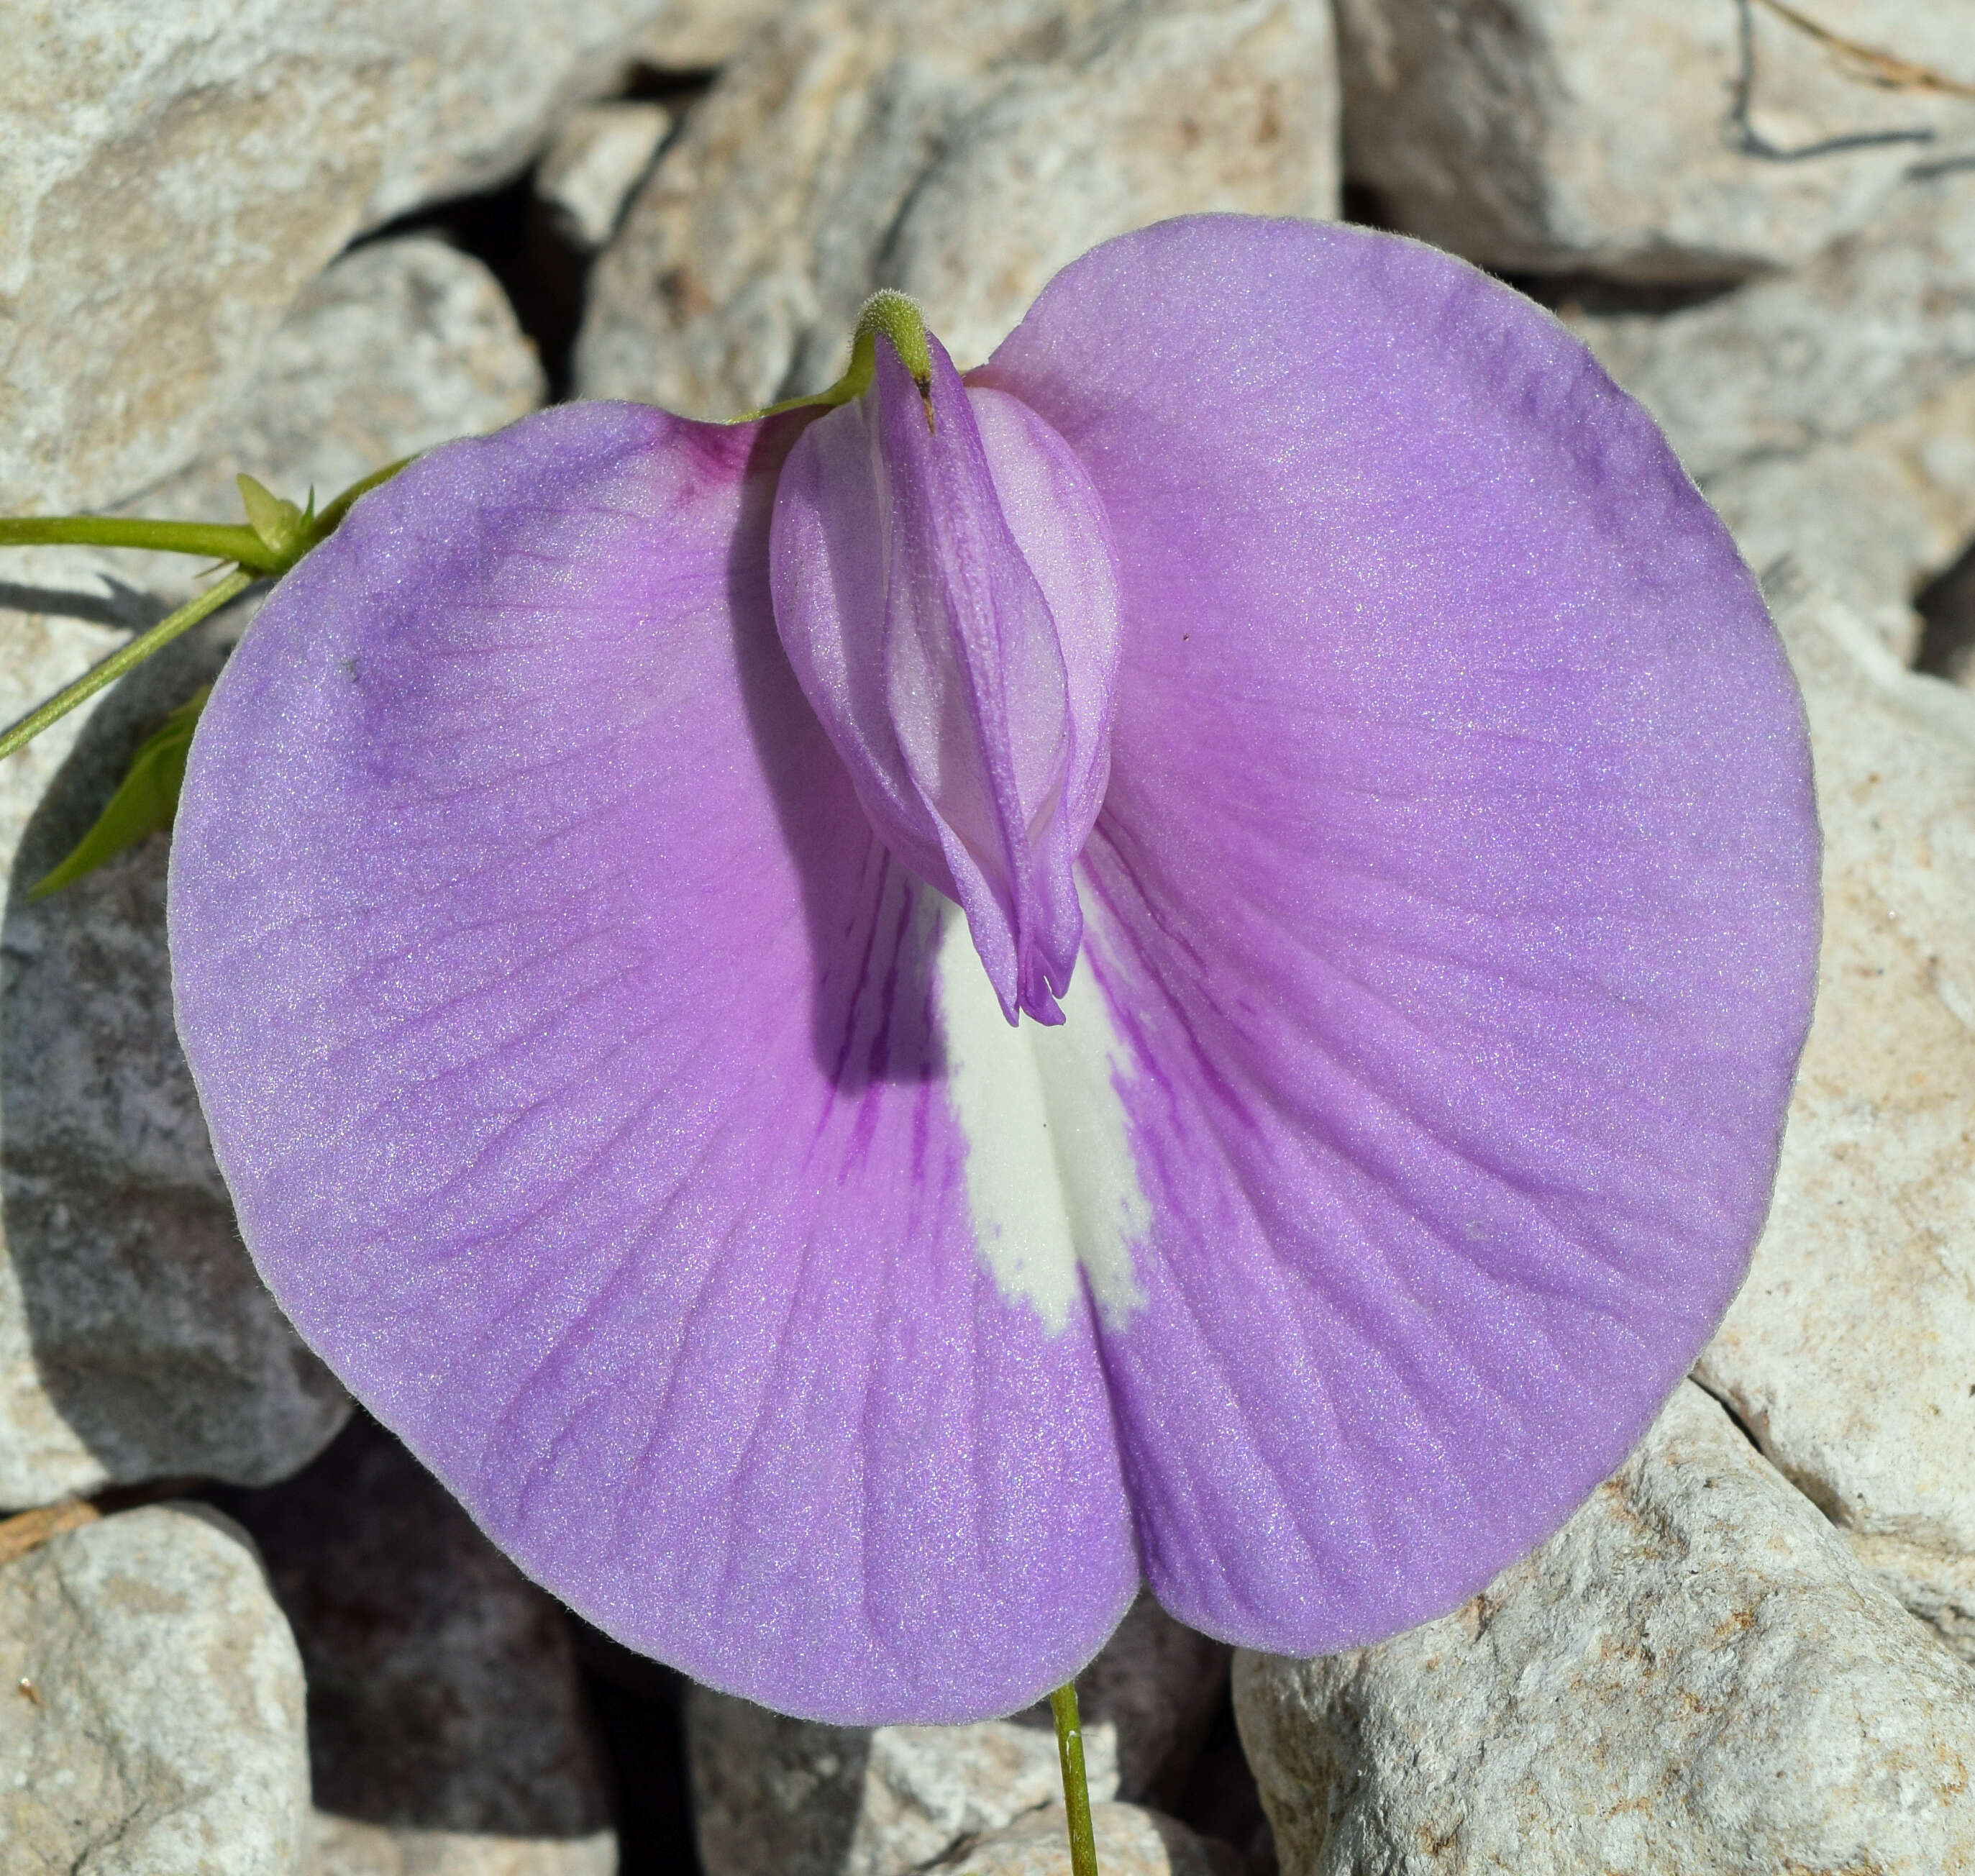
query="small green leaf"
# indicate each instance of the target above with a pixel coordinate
(278, 523)
(145, 800)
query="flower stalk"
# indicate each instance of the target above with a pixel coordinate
(1076, 1787)
(102, 676)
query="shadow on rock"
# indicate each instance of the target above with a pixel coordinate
(153, 1348)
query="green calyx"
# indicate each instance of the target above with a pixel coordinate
(888, 314)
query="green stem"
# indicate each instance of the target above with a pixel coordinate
(212, 540)
(114, 666)
(1076, 1788)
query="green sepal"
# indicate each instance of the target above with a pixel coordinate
(145, 802)
(282, 527)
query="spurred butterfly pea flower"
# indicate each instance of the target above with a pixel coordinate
(1344, 731)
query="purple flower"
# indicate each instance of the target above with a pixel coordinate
(1301, 663)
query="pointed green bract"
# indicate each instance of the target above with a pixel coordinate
(145, 802)
(282, 526)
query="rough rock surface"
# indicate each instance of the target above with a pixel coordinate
(805, 1799)
(697, 35)
(964, 153)
(1683, 140)
(1877, 324)
(1830, 414)
(135, 1340)
(1129, 1842)
(1693, 1675)
(1870, 1241)
(1870, 519)
(599, 154)
(174, 176)
(152, 1722)
(447, 1729)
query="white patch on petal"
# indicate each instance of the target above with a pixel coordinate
(1050, 1179)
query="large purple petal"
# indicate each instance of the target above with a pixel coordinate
(1455, 896)
(570, 1047)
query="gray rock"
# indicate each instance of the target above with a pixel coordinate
(175, 177)
(1128, 1842)
(1693, 1675)
(448, 1731)
(1708, 137)
(152, 1723)
(1874, 326)
(1850, 1351)
(963, 151)
(136, 1340)
(793, 1798)
(599, 156)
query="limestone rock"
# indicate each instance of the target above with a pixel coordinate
(1684, 140)
(1693, 1675)
(1937, 1586)
(136, 1340)
(174, 176)
(157, 1729)
(1869, 519)
(798, 1799)
(964, 153)
(1829, 415)
(1129, 1842)
(1850, 1352)
(1881, 321)
(402, 345)
(598, 157)
(697, 35)
(447, 1728)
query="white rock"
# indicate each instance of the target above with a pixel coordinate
(343, 1847)
(135, 1340)
(1871, 518)
(1850, 1352)
(797, 1799)
(1685, 139)
(1871, 329)
(174, 176)
(963, 151)
(154, 1720)
(1129, 1841)
(1693, 1675)
(599, 156)
(447, 1732)
(1937, 1586)
(693, 36)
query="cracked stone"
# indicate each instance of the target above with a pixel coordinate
(1694, 1674)
(961, 152)
(152, 1723)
